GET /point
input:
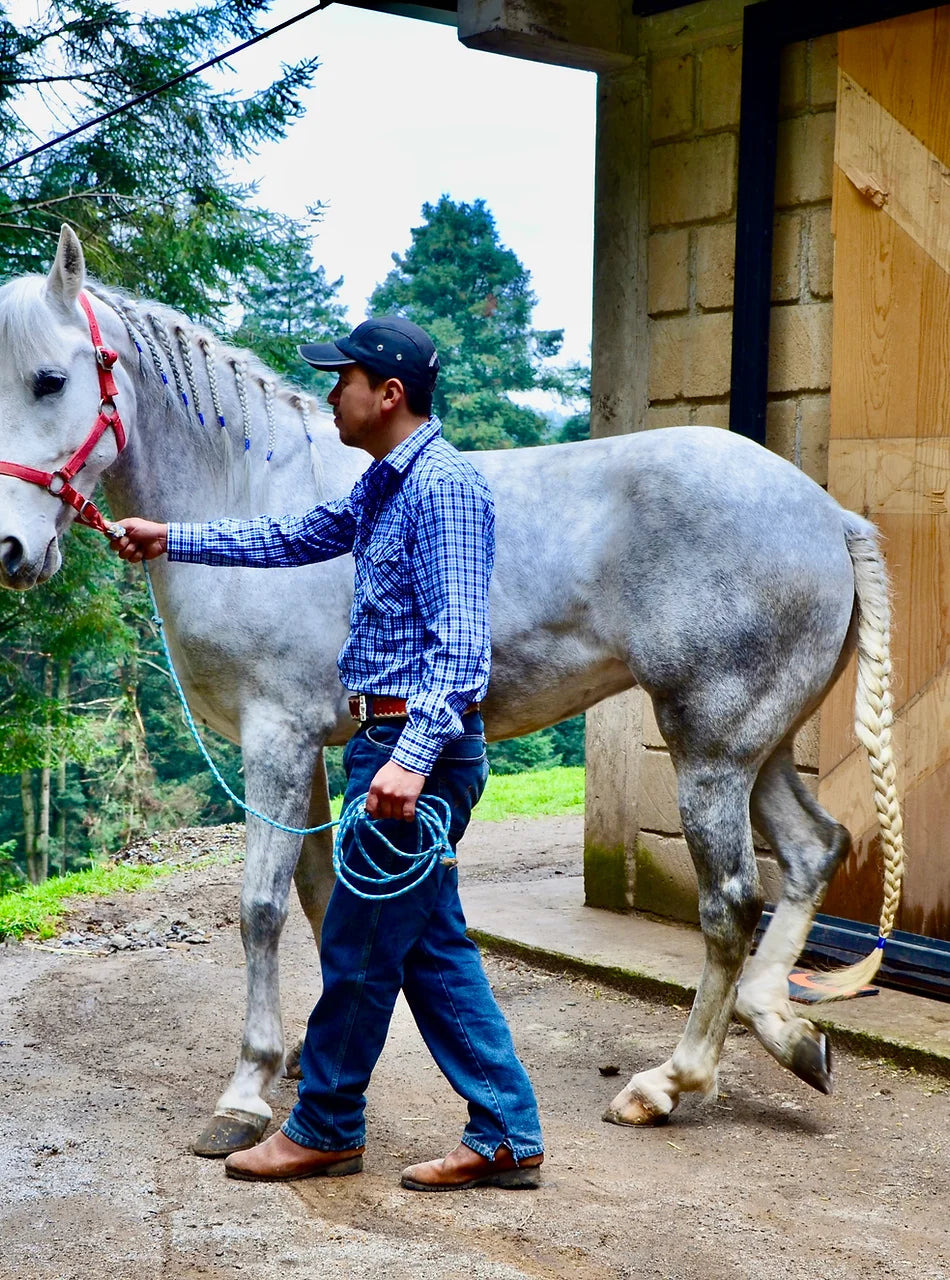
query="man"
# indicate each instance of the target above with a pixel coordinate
(420, 525)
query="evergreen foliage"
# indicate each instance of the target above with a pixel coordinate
(148, 191)
(473, 296)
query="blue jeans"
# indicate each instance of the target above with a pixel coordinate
(416, 942)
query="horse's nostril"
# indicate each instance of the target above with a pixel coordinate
(11, 555)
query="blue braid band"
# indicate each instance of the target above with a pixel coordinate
(430, 822)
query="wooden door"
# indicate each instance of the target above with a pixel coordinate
(890, 436)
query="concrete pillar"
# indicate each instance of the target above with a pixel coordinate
(619, 401)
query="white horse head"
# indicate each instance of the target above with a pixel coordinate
(49, 397)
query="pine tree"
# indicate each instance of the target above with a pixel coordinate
(472, 294)
(148, 191)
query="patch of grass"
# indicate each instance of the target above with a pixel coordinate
(546, 793)
(36, 909)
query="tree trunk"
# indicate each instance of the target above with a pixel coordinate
(29, 824)
(62, 695)
(42, 833)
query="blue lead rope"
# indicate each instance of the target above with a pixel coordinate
(354, 821)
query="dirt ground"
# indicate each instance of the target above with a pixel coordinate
(110, 1060)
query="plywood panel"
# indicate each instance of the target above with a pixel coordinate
(878, 278)
(894, 62)
(889, 455)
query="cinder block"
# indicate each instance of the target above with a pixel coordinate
(800, 348)
(658, 807)
(792, 83)
(806, 743)
(668, 278)
(667, 346)
(805, 156)
(707, 359)
(652, 737)
(821, 254)
(710, 415)
(667, 415)
(690, 356)
(786, 257)
(715, 265)
(665, 881)
(781, 428)
(815, 430)
(692, 181)
(720, 76)
(824, 71)
(671, 101)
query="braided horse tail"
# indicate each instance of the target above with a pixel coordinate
(874, 716)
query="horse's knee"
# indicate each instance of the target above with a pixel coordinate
(262, 919)
(729, 910)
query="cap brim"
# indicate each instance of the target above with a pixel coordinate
(324, 355)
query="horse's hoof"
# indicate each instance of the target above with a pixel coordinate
(811, 1061)
(631, 1108)
(233, 1132)
(292, 1064)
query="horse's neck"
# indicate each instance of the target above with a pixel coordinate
(215, 433)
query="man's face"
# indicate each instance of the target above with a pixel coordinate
(356, 407)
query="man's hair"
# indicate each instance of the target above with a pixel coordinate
(418, 399)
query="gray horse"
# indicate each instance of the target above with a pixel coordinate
(689, 561)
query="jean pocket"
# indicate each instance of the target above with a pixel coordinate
(470, 748)
(383, 736)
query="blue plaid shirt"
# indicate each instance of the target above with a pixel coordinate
(421, 526)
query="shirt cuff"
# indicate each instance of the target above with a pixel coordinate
(416, 750)
(181, 540)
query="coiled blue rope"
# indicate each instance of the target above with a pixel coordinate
(432, 823)
(354, 820)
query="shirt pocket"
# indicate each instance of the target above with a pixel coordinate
(384, 576)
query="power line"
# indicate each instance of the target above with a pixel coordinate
(144, 97)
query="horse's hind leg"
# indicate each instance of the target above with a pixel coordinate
(714, 805)
(809, 845)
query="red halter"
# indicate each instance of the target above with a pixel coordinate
(57, 482)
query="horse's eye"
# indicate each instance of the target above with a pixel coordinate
(47, 383)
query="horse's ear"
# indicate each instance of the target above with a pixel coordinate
(68, 273)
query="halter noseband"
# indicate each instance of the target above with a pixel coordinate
(57, 482)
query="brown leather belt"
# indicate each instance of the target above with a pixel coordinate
(379, 706)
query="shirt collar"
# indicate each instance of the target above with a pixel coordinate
(405, 453)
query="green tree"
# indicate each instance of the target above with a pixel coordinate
(290, 302)
(148, 191)
(472, 294)
(55, 645)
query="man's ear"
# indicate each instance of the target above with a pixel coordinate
(394, 394)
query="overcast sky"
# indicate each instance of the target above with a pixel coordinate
(401, 113)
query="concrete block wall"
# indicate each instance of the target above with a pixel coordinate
(692, 158)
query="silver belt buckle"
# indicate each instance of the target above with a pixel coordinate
(362, 706)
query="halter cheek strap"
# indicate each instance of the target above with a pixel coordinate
(58, 482)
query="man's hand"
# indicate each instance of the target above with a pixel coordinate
(143, 540)
(393, 792)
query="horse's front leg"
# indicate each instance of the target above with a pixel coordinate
(714, 805)
(278, 771)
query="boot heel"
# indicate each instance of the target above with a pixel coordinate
(344, 1167)
(524, 1179)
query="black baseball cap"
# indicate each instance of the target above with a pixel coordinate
(389, 345)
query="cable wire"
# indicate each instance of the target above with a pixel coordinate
(168, 84)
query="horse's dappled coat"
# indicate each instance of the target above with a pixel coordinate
(708, 570)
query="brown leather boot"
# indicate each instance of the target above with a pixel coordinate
(280, 1158)
(464, 1168)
